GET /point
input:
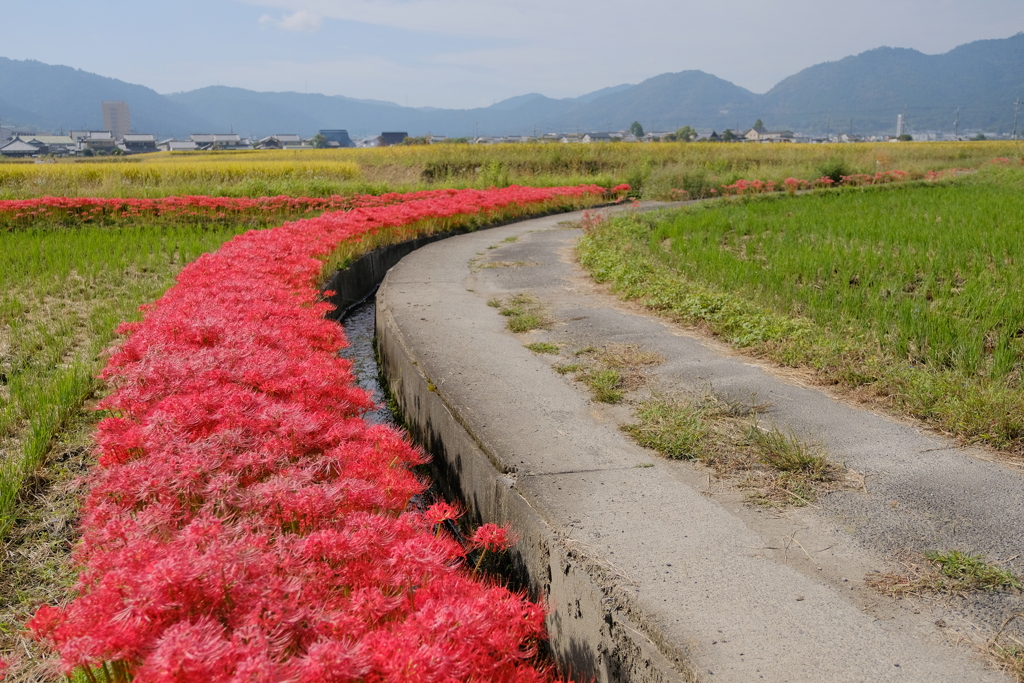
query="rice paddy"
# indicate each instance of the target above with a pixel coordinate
(911, 292)
(654, 170)
(63, 294)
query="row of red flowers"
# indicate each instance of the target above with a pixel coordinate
(794, 185)
(75, 210)
(245, 523)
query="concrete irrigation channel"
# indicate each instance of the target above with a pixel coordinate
(655, 570)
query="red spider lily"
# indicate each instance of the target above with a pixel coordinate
(492, 537)
(442, 512)
(245, 522)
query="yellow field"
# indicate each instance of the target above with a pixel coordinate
(655, 168)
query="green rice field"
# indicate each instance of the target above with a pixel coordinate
(64, 293)
(911, 292)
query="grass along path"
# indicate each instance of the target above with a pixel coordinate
(910, 294)
(62, 295)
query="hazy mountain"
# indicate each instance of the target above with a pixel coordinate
(668, 102)
(591, 96)
(54, 97)
(982, 79)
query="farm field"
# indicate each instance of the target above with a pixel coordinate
(909, 294)
(69, 287)
(70, 272)
(654, 170)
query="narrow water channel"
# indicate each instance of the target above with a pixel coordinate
(359, 328)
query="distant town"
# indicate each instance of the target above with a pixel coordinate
(118, 138)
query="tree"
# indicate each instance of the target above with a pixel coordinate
(729, 136)
(759, 126)
(978, 138)
(319, 141)
(686, 134)
(906, 137)
(636, 129)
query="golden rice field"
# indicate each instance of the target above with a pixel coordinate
(653, 169)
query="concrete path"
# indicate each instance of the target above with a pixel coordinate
(653, 569)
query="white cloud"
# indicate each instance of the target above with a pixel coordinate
(301, 20)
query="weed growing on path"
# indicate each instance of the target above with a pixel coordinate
(605, 385)
(525, 312)
(612, 370)
(543, 347)
(784, 452)
(677, 430)
(779, 468)
(950, 572)
(1008, 650)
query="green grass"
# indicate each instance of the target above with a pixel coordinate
(62, 295)
(678, 430)
(952, 572)
(524, 312)
(785, 452)
(777, 469)
(913, 292)
(972, 572)
(543, 347)
(605, 384)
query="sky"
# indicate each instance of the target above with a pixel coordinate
(473, 53)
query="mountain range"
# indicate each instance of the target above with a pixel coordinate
(974, 85)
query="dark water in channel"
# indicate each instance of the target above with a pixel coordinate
(359, 328)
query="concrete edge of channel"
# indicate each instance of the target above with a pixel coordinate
(595, 628)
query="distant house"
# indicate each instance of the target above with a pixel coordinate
(91, 141)
(209, 141)
(79, 135)
(173, 145)
(337, 138)
(138, 143)
(59, 145)
(755, 135)
(19, 148)
(596, 137)
(389, 139)
(286, 141)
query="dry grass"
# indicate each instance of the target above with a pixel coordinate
(543, 347)
(525, 312)
(777, 468)
(35, 559)
(613, 370)
(948, 572)
(1008, 650)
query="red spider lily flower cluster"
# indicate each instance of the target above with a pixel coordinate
(245, 523)
(78, 210)
(793, 185)
(492, 537)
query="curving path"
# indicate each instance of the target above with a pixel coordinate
(653, 570)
